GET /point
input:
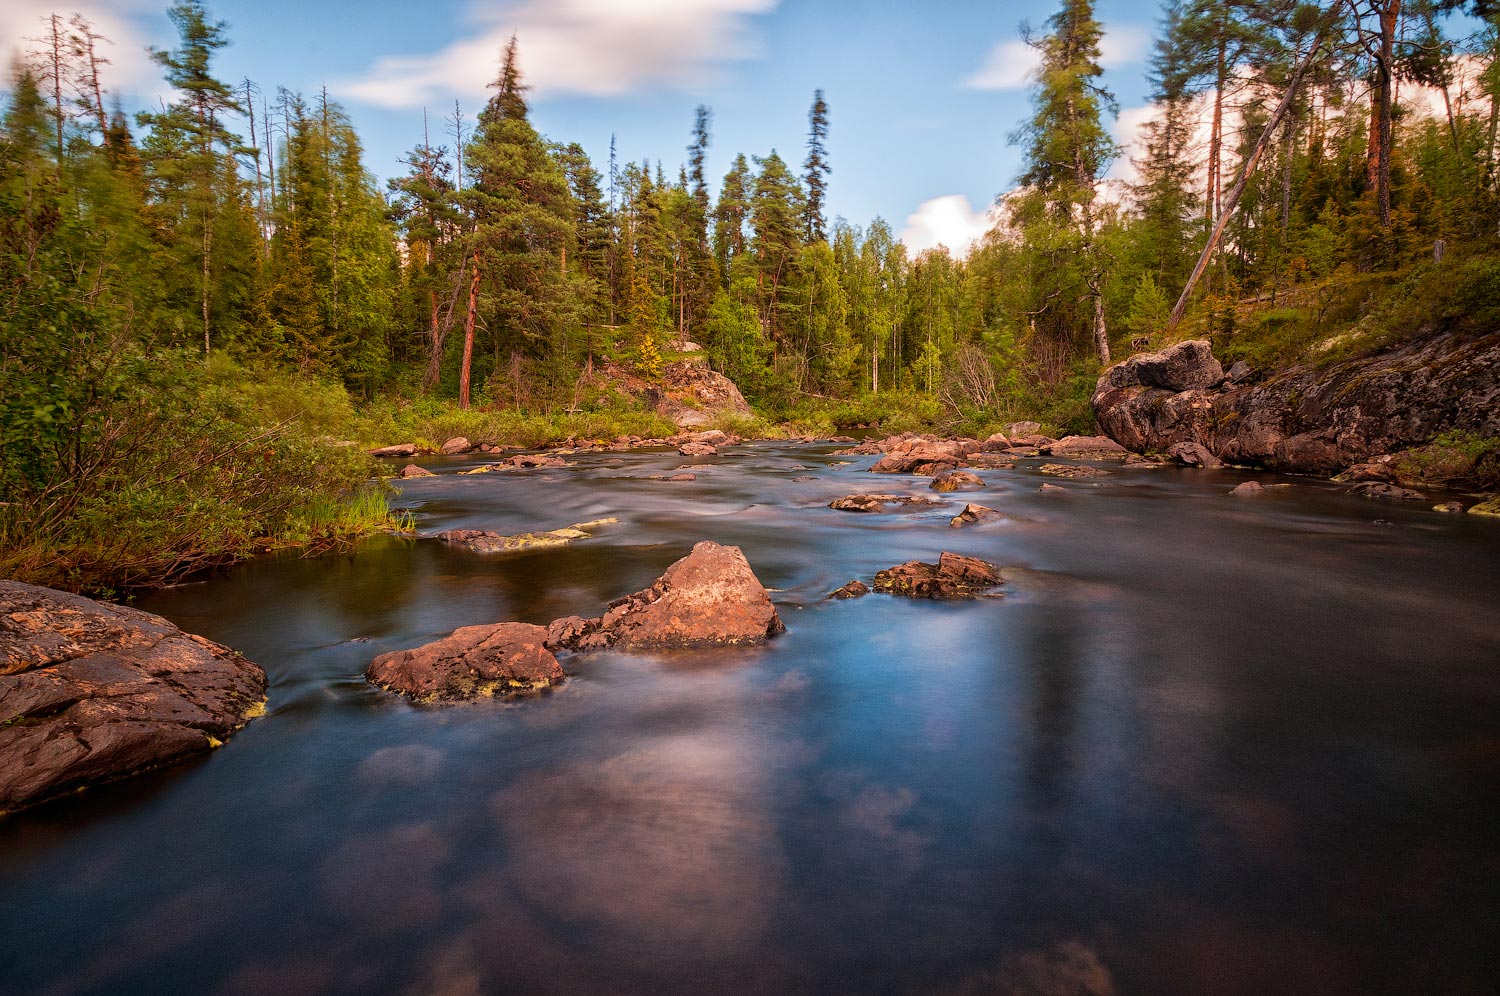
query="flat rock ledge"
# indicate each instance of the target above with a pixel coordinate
(91, 693)
(879, 503)
(709, 598)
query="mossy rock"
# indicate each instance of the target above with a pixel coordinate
(1490, 506)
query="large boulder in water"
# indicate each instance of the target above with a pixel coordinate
(502, 660)
(91, 692)
(911, 455)
(709, 598)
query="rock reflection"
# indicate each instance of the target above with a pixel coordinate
(667, 848)
(388, 880)
(1066, 969)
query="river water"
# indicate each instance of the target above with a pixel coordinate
(1203, 744)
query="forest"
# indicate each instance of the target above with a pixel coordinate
(202, 302)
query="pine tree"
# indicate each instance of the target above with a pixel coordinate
(815, 171)
(730, 215)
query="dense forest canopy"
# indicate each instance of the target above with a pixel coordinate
(1338, 161)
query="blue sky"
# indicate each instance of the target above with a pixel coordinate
(922, 97)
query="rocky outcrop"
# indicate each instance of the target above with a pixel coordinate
(399, 450)
(1194, 455)
(486, 541)
(688, 392)
(953, 576)
(90, 693)
(412, 470)
(1305, 420)
(913, 455)
(506, 659)
(709, 598)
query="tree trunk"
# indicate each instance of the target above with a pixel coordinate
(463, 374)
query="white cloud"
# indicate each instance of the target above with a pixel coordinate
(948, 221)
(595, 47)
(130, 67)
(1012, 64)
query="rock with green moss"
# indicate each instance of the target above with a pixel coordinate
(1490, 506)
(486, 541)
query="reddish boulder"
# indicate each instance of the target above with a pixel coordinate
(1249, 489)
(697, 449)
(412, 470)
(1194, 455)
(399, 450)
(910, 455)
(457, 445)
(854, 589)
(501, 660)
(90, 693)
(526, 461)
(710, 597)
(1072, 471)
(1386, 492)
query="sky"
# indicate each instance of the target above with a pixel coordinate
(922, 97)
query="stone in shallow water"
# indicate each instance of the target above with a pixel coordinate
(500, 660)
(1386, 492)
(91, 692)
(954, 480)
(953, 576)
(854, 589)
(412, 470)
(877, 503)
(1249, 488)
(974, 514)
(486, 541)
(1072, 471)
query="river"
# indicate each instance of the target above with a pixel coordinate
(1203, 744)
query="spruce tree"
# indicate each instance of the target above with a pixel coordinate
(815, 170)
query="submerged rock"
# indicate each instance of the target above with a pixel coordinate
(505, 659)
(1052, 489)
(90, 693)
(974, 514)
(953, 576)
(1449, 507)
(877, 503)
(486, 541)
(990, 461)
(1248, 489)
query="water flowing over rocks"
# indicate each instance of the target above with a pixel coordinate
(1305, 420)
(953, 576)
(90, 693)
(709, 598)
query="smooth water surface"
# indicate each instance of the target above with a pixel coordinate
(1204, 744)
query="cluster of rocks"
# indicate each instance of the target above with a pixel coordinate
(711, 597)
(880, 503)
(954, 576)
(930, 456)
(91, 692)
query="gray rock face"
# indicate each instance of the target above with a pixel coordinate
(1186, 366)
(1315, 421)
(91, 692)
